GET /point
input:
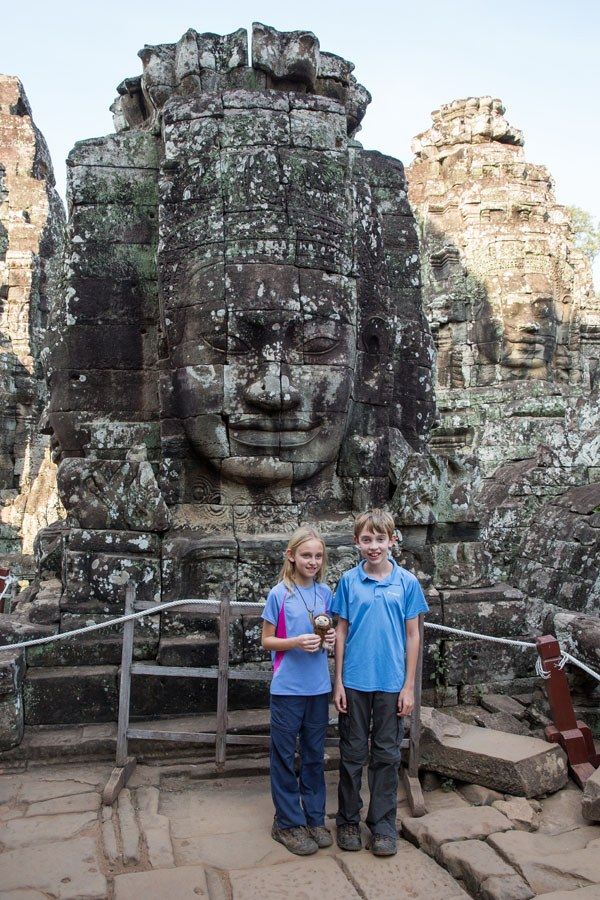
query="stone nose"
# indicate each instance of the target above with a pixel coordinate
(530, 327)
(272, 392)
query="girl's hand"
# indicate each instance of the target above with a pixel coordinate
(308, 642)
(330, 639)
(339, 698)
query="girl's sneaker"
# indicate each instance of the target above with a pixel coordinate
(297, 840)
(321, 835)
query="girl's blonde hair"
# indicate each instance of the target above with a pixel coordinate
(302, 534)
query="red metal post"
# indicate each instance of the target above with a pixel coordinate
(573, 736)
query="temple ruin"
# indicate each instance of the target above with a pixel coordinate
(261, 323)
(31, 239)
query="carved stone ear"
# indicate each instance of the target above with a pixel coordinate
(286, 55)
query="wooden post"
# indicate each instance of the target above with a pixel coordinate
(410, 773)
(573, 736)
(124, 764)
(125, 686)
(222, 684)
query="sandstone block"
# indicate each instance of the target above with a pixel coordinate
(505, 887)
(408, 874)
(56, 696)
(76, 803)
(562, 811)
(591, 892)
(35, 830)
(430, 832)
(184, 883)
(11, 721)
(311, 878)
(565, 871)
(69, 870)
(477, 864)
(502, 703)
(513, 764)
(520, 812)
(590, 806)
(130, 833)
(112, 494)
(478, 795)
(12, 672)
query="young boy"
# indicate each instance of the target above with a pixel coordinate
(378, 604)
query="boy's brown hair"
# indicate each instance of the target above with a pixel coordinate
(378, 521)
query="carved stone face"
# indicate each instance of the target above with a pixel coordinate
(529, 333)
(263, 377)
(518, 330)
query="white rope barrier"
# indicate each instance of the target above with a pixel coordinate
(161, 607)
(9, 579)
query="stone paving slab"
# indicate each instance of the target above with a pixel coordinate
(409, 874)
(74, 803)
(184, 883)
(518, 847)
(313, 878)
(562, 811)
(563, 871)
(592, 892)
(71, 875)
(431, 831)
(483, 871)
(36, 830)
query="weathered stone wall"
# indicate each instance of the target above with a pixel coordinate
(240, 347)
(514, 317)
(31, 226)
(515, 321)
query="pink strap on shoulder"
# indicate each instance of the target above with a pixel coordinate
(280, 632)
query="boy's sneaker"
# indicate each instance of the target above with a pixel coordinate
(320, 835)
(348, 837)
(383, 845)
(297, 840)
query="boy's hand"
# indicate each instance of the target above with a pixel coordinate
(339, 698)
(406, 701)
(330, 639)
(309, 642)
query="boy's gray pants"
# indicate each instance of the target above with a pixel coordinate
(374, 715)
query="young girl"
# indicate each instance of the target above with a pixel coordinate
(299, 693)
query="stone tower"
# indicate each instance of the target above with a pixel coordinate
(31, 237)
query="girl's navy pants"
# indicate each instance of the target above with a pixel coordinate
(299, 799)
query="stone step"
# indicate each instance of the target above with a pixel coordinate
(98, 742)
(189, 650)
(89, 694)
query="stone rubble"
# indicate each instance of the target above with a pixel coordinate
(591, 798)
(514, 764)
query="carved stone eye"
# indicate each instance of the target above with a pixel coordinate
(320, 344)
(375, 336)
(217, 340)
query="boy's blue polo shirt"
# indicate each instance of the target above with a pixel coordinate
(376, 612)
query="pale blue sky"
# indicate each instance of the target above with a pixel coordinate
(539, 56)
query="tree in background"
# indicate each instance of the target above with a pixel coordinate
(586, 232)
